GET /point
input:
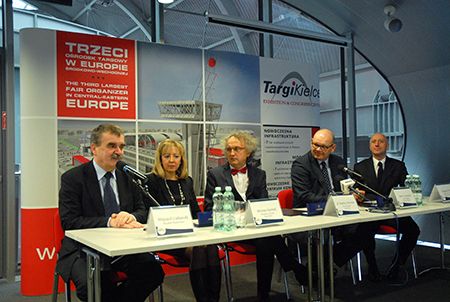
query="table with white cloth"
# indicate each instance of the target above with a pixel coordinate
(118, 242)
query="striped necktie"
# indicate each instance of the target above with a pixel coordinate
(326, 177)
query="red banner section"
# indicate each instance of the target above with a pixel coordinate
(39, 252)
(96, 76)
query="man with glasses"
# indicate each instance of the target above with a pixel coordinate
(249, 182)
(314, 176)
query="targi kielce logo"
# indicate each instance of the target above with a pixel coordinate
(296, 88)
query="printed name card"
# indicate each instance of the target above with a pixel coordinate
(403, 197)
(168, 221)
(267, 212)
(341, 205)
(440, 193)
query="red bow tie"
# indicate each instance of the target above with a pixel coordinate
(236, 171)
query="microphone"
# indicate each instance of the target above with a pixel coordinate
(350, 172)
(347, 187)
(139, 179)
(359, 180)
(135, 174)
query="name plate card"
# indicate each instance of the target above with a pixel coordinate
(403, 197)
(341, 205)
(440, 193)
(169, 221)
(267, 212)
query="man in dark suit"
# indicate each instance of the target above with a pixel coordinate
(95, 195)
(315, 175)
(308, 181)
(382, 173)
(249, 182)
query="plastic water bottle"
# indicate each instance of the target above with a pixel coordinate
(417, 189)
(218, 209)
(229, 219)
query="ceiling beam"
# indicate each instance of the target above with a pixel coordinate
(136, 15)
(50, 9)
(229, 8)
(84, 10)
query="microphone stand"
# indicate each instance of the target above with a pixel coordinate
(144, 190)
(388, 205)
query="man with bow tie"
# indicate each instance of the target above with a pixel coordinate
(249, 182)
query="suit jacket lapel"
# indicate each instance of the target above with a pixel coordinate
(94, 189)
(388, 169)
(372, 177)
(334, 172)
(251, 183)
(123, 195)
(228, 178)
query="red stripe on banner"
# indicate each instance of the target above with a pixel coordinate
(39, 253)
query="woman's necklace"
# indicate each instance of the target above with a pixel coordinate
(171, 195)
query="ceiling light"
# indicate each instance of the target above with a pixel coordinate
(392, 24)
(165, 1)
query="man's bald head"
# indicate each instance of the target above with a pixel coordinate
(322, 144)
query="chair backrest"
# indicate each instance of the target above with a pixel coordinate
(286, 199)
(58, 232)
(386, 229)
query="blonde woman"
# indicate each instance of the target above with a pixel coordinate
(170, 184)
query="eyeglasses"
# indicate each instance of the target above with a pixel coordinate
(235, 149)
(323, 147)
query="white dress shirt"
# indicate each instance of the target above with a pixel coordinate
(240, 181)
(375, 164)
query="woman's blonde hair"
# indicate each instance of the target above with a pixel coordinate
(182, 171)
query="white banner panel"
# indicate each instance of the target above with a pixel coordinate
(281, 145)
(39, 182)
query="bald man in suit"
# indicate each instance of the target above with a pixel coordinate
(383, 173)
(314, 176)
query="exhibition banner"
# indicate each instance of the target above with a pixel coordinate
(96, 76)
(72, 82)
(281, 145)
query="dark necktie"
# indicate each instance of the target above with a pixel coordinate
(380, 172)
(109, 198)
(326, 177)
(236, 171)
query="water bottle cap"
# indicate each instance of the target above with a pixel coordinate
(218, 189)
(228, 188)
